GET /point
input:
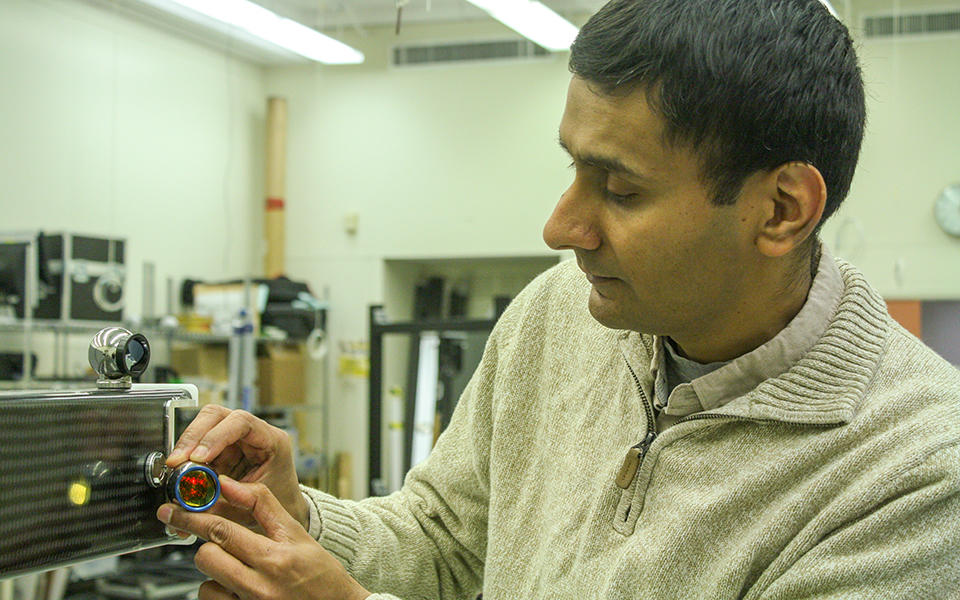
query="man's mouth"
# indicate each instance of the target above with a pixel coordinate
(596, 279)
(592, 277)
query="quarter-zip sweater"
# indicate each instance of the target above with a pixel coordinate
(839, 478)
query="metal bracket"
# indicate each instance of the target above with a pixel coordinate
(169, 433)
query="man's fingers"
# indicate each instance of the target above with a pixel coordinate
(260, 504)
(205, 420)
(211, 590)
(227, 462)
(229, 574)
(238, 426)
(233, 513)
(235, 539)
(216, 428)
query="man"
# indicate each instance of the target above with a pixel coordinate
(704, 405)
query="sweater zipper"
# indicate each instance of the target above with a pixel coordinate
(631, 462)
(636, 453)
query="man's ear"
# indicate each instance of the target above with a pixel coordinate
(794, 204)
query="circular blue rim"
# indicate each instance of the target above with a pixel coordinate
(216, 494)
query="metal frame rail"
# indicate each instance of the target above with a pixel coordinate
(379, 327)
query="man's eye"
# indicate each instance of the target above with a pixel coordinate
(619, 198)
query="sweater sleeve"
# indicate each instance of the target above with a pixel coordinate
(429, 539)
(907, 546)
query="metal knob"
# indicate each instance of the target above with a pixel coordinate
(193, 486)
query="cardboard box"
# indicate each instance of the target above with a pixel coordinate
(209, 361)
(222, 303)
(211, 395)
(281, 379)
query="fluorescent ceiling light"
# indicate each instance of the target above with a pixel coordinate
(273, 28)
(830, 8)
(532, 20)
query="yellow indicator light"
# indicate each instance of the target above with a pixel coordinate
(79, 492)
(197, 488)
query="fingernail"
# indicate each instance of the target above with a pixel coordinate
(175, 457)
(164, 513)
(199, 454)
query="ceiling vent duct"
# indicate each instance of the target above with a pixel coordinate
(884, 26)
(467, 52)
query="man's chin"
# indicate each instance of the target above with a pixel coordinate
(606, 311)
(616, 314)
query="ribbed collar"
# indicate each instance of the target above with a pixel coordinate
(826, 382)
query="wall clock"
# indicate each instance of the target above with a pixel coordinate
(946, 209)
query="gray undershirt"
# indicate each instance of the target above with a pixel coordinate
(681, 370)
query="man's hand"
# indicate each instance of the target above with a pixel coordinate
(284, 563)
(241, 446)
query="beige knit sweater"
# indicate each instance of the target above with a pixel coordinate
(838, 479)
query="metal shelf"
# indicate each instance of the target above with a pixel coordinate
(62, 330)
(53, 326)
(91, 327)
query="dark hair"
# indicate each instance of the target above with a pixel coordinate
(748, 84)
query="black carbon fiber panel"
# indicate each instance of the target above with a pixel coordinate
(72, 485)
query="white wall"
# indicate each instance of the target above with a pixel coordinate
(909, 154)
(437, 161)
(111, 127)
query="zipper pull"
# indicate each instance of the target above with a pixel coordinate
(631, 462)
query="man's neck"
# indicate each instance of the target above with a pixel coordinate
(753, 323)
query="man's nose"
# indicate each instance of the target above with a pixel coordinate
(573, 223)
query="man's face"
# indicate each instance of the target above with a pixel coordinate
(660, 256)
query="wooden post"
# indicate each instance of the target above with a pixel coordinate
(275, 214)
(343, 476)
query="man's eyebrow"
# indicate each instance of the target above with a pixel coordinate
(607, 163)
